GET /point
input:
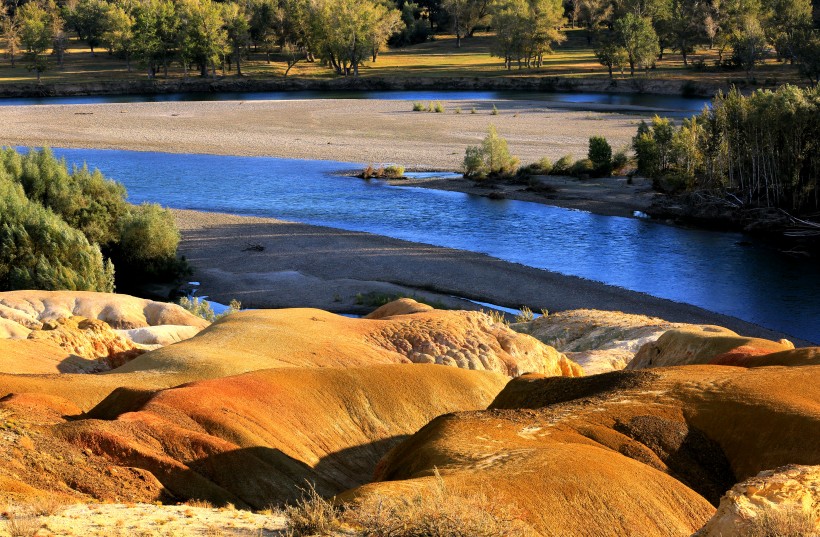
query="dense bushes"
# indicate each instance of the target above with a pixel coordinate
(39, 250)
(763, 149)
(68, 230)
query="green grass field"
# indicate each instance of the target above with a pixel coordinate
(438, 58)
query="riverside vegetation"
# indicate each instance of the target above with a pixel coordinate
(73, 229)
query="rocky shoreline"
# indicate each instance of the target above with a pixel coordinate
(366, 83)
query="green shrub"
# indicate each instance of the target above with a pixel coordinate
(582, 168)
(39, 250)
(492, 158)
(148, 245)
(600, 154)
(140, 241)
(429, 106)
(473, 110)
(620, 160)
(439, 108)
(457, 110)
(495, 111)
(418, 107)
(545, 166)
(394, 171)
(474, 167)
(562, 166)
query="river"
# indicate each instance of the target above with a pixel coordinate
(717, 271)
(668, 105)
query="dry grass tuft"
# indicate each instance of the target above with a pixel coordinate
(790, 522)
(195, 502)
(312, 515)
(438, 512)
(22, 525)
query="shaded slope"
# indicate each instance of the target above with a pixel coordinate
(622, 453)
(256, 438)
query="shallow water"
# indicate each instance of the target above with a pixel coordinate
(707, 269)
(671, 104)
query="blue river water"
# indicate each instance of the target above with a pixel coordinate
(669, 105)
(714, 270)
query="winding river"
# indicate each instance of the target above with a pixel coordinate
(717, 271)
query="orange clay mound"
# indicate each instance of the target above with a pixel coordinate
(402, 306)
(260, 339)
(623, 453)
(252, 439)
(31, 308)
(702, 345)
(254, 340)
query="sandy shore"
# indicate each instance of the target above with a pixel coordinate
(310, 266)
(363, 131)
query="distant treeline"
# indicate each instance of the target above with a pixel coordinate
(763, 150)
(64, 228)
(207, 35)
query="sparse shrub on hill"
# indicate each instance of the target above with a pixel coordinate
(64, 229)
(491, 159)
(437, 512)
(202, 308)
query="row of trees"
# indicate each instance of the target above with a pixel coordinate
(203, 34)
(69, 229)
(763, 149)
(206, 35)
(638, 32)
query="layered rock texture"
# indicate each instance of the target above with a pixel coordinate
(783, 501)
(86, 332)
(599, 341)
(603, 341)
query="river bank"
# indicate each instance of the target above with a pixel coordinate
(355, 131)
(268, 263)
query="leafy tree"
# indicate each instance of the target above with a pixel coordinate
(202, 36)
(594, 13)
(157, 33)
(748, 46)
(10, 29)
(786, 22)
(526, 30)
(637, 37)
(807, 55)
(36, 34)
(119, 34)
(684, 26)
(237, 26)
(88, 18)
(609, 52)
(466, 15)
(385, 22)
